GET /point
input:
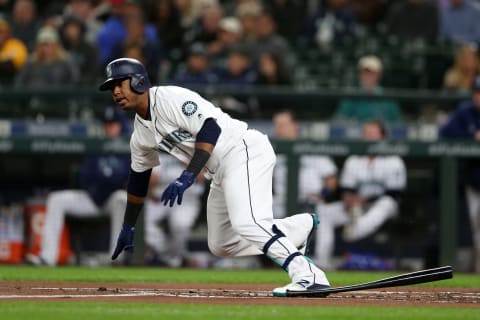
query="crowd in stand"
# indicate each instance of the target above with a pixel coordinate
(197, 42)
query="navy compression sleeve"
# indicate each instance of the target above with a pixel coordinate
(209, 133)
(137, 186)
(138, 183)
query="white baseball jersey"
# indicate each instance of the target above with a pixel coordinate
(373, 176)
(177, 115)
(312, 172)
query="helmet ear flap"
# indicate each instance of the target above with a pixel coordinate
(137, 83)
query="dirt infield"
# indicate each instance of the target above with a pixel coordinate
(229, 294)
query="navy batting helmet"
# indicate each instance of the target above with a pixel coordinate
(126, 68)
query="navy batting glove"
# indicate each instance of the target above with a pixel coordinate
(124, 241)
(175, 189)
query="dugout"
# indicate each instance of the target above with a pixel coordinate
(41, 145)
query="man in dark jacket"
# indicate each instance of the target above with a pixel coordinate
(103, 178)
(464, 123)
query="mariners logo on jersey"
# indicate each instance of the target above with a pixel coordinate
(189, 108)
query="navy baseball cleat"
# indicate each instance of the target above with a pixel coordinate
(305, 247)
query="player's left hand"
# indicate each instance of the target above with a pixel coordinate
(124, 241)
(175, 189)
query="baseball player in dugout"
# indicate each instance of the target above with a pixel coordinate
(239, 162)
(371, 189)
(102, 180)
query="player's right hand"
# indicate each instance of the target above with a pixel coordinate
(124, 241)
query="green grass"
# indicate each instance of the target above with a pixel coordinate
(136, 274)
(91, 310)
(140, 311)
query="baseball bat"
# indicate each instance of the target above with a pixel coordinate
(417, 277)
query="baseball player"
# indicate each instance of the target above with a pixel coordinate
(238, 160)
(102, 180)
(170, 252)
(317, 181)
(371, 188)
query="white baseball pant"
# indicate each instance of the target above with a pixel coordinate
(473, 203)
(180, 221)
(239, 210)
(334, 215)
(77, 203)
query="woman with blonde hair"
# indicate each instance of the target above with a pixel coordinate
(459, 78)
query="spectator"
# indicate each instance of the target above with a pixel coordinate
(332, 24)
(25, 23)
(370, 70)
(13, 54)
(102, 181)
(137, 42)
(267, 39)
(169, 29)
(169, 251)
(49, 65)
(271, 72)
(413, 19)
(371, 188)
(464, 123)
(197, 69)
(206, 27)
(230, 34)
(87, 13)
(83, 54)
(248, 12)
(459, 78)
(239, 72)
(459, 21)
(317, 174)
(189, 10)
(114, 31)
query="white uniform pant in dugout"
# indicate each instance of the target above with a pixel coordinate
(240, 216)
(77, 203)
(473, 203)
(180, 222)
(333, 215)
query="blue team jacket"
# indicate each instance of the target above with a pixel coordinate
(101, 175)
(462, 124)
